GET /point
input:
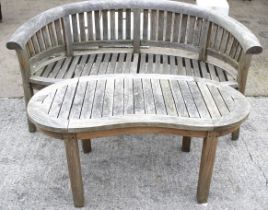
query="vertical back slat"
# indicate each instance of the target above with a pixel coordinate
(97, 25)
(120, 24)
(75, 28)
(168, 26)
(112, 24)
(197, 31)
(89, 26)
(59, 31)
(145, 24)
(105, 24)
(46, 37)
(82, 27)
(190, 29)
(31, 48)
(161, 19)
(35, 44)
(137, 28)
(40, 40)
(52, 34)
(153, 24)
(67, 35)
(128, 24)
(183, 28)
(176, 30)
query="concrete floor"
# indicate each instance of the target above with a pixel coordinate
(130, 172)
(252, 13)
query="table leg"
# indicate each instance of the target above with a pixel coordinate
(186, 144)
(86, 144)
(73, 161)
(206, 167)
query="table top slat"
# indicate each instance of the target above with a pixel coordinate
(118, 102)
(199, 101)
(188, 99)
(212, 107)
(139, 106)
(148, 97)
(168, 98)
(88, 101)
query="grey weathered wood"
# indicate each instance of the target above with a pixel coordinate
(169, 101)
(67, 35)
(183, 28)
(74, 166)
(82, 27)
(90, 35)
(145, 24)
(148, 97)
(153, 24)
(105, 24)
(118, 101)
(97, 25)
(176, 31)
(190, 29)
(112, 24)
(120, 24)
(137, 26)
(59, 31)
(75, 28)
(206, 167)
(161, 19)
(139, 107)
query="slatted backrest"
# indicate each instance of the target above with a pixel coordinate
(101, 25)
(47, 37)
(134, 24)
(224, 45)
(171, 29)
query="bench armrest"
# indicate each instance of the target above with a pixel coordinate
(248, 41)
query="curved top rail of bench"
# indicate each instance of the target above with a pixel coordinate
(98, 103)
(247, 39)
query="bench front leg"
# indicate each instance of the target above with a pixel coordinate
(186, 144)
(73, 161)
(206, 167)
(86, 145)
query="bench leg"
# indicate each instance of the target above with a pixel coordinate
(73, 161)
(206, 167)
(186, 144)
(86, 144)
(28, 93)
(235, 134)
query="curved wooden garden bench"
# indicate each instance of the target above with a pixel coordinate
(99, 106)
(125, 36)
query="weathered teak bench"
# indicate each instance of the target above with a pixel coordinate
(126, 36)
(97, 106)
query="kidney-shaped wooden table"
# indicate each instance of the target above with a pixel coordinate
(98, 106)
